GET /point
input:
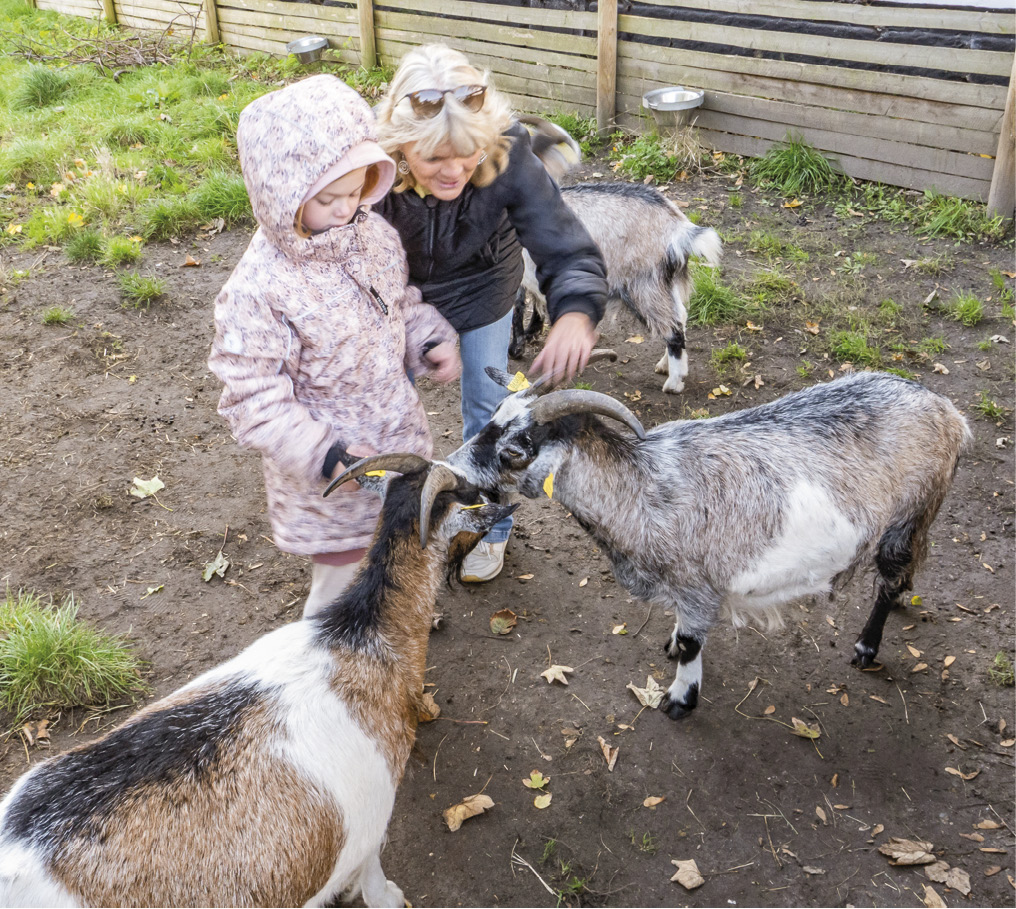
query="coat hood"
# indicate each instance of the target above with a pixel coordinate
(289, 139)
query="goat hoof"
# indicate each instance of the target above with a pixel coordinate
(673, 386)
(675, 709)
(864, 655)
(437, 623)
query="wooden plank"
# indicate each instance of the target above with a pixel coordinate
(211, 22)
(881, 53)
(251, 39)
(989, 96)
(567, 67)
(606, 65)
(279, 38)
(503, 15)
(288, 9)
(368, 47)
(72, 7)
(803, 114)
(294, 25)
(1002, 192)
(964, 20)
(164, 11)
(655, 75)
(529, 104)
(432, 26)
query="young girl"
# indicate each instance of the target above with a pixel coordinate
(317, 333)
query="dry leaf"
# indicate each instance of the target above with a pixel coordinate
(993, 870)
(877, 829)
(524, 577)
(503, 621)
(811, 869)
(963, 776)
(557, 674)
(811, 327)
(875, 697)
(651, 695)
(987, 825)
(191, 262)
(975, 837)
(543, 800)
(470, 806)
(634, 339)
(426, 708)
(535, 780)
(620, 629)
(931, 898)
(653, 801)
(42, 730)
(609, 754)
(948, 661)
(145, 488)
(938, 367)
(687, 874)
(26, 731)
(914, 652)
(919, 667)
(804, 730)
(751, 326)
(842, 807)
(793, 203)
(769, 710)
(583, 582)
(821, 815)
(844, 700)
(955, 878)
(907, 852)
(835, 781)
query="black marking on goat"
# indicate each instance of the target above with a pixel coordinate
(73, 793)
(676, 343)
(638, 191)
(677, 710)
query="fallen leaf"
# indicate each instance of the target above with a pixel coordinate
(877, 829)
(948, 661)
(687, 874)
(583, 582)
(751, 326)
(993, 870)
(955, 741)
(620, 629)
(634, 339)
(719, 392)
(653, 801)
(821, 815)
(803, 729)
(987, 825)
(835, 781)
(842, 807)
(651, 695)
(769, 710)
(914, 652)
(470, 806)
(963, 776)
(542, 801)
(793, 203)
(811, 327)
(218, 566)
(844, 699)
(992, 849)
(931, 898)
(145, 488)
(811, 869)
(907, 852)
(427, 709)
(557, 674)
(502, 621)
(535, 780)
(26, 731)
(609, 754)
(875, 697)
(976, 837)
(919, 667)
(955, 878)
(191, 262)
(524, 577)
(939, 368)
(42, 730)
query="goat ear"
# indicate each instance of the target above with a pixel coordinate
(504, 379)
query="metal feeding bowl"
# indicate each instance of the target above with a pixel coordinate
(307, 49)
(672, 106)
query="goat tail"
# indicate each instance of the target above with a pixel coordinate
(689, 240)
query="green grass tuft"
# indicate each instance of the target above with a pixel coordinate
(49, 659)
(852, 347)
(1001, 671)
(795, 168)
(57, 315)
(222, 195)
(39, 87)
(966, 309)
(140, 291)
(169, 217)
(712, 302)
(989, 408)
(84, 245)
(644, 157)
(120, 251)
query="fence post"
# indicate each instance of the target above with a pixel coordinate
(108, 11)
(606, 65)
(368, 49)
(1002, 195)
(211, 23)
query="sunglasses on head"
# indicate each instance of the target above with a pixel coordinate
(428, 101)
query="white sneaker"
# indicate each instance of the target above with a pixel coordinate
(484, 563)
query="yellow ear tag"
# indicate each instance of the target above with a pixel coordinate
(375, 473)
(471, 507)
(548, 486)
(518, 382)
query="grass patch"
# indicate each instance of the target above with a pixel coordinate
(49, 659)
(57, 315)
(795, 168)
(852, 347)
(165, 218)
(140, 291)
(771, 248)
(712, 302)
(1001, 671)
(769, 288)
(581, 129)
(644, 156)
(222, 195)
(966, 309)
(947, 216)
(40, 87)
(120, 251)
(1003, 287)
(724, 358)
(988, 408)
(84, 245)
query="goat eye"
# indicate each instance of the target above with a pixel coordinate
(513, 452)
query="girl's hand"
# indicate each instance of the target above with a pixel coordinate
(445, 361)
(357, 451)
(568, 346)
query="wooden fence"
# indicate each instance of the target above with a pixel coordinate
(876, 88)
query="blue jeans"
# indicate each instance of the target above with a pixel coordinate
(487, 346)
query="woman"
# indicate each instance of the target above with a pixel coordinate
(469, 195)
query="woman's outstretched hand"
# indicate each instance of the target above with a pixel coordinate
(568, 346)
(444, 358)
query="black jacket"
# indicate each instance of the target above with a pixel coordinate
(465, 255)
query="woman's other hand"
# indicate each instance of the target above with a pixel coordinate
(445, 361)
(568, 346)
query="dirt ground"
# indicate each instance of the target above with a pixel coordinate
(914, 749)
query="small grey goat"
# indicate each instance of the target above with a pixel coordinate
(738, 514)
(646, 241)
(269, 780)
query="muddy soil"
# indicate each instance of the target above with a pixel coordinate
(921, 748)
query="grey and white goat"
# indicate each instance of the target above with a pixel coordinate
(736, 515)
(269, 780)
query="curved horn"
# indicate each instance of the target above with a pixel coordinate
(401, 462)
(572, 400)
(601, 353)
(440, 479)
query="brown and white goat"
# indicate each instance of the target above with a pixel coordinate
(269, 780)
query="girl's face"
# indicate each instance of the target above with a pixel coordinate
(336, 204)
(445, 173)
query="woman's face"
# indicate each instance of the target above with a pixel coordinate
(445, 173)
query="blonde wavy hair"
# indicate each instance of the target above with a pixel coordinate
(438, 66)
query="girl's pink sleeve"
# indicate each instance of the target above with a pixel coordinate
(252, 345)
(425, 329)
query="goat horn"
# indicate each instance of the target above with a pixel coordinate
(440, 479)
(401, 462)
(573, 400)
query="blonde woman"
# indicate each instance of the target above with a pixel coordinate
(469, 194)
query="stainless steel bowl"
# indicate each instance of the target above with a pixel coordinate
(673, 106)
(307, 49)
